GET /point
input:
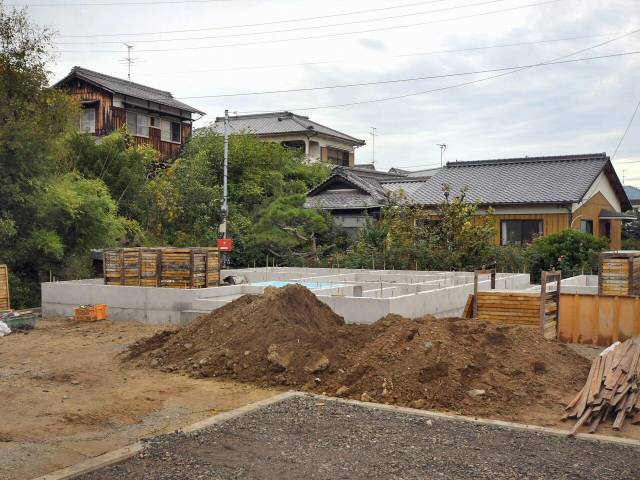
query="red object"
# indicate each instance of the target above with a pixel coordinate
(225, 244)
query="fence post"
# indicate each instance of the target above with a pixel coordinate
(543, 292)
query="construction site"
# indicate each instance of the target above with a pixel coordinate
(169, 364)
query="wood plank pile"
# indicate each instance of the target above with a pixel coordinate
(5, 303)
(611, 390)
(619, 273)
(197, 267)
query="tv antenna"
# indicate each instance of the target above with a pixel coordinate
(129, 60)
(443, 147)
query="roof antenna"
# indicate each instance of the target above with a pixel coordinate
(128, 60)
(443, 147)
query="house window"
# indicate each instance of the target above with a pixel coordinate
(137, 124)
(338, 157)
(170, 131)
(586, 226)
(520, 231)
(88, 120)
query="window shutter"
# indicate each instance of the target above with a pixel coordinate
(352, 159)
(324, 154)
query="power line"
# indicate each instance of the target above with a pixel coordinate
(403, 55)
(626, 130)
(261, 24)
(328, 35)
(105, 4)
(411, 79)
(294, 29)
(464, 84)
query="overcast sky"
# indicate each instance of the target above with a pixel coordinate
(568, 108)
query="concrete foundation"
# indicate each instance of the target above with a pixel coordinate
(360, 296)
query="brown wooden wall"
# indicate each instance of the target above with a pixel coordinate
(110, 118)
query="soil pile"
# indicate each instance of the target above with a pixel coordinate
(467, 366)
(284, 337)
(288, 337)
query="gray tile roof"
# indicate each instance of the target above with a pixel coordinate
(366, 190)
(342, 201)
(280, 123)
(559, 179)
(632, 192)
(514, 181)
(128, 88)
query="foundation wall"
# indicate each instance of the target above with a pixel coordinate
(357, 295)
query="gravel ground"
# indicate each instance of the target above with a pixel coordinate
(313, 438)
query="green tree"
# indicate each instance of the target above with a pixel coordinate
(49, 218)
(185, 200)
(124, 168)
(571, 251)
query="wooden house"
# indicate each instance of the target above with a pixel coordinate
(530, 197)
(151, 116)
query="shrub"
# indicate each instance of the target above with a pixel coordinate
(571, 251)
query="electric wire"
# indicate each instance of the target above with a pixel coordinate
(328, 35)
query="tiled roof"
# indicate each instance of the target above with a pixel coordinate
(337, 200)
(279, 123)
(514, 181)
(367, 190)
(632, 192)
(128, 88)
(559, 179)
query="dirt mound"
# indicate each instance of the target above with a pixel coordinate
(288, 337)
(467, 366)
(284, 337)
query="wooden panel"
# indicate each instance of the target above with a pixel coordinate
(518, 308)
(5, 300)
(597, 319)
(162, 267)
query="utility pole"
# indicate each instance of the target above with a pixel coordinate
(373, 145)
(225, 203)
(443, 147)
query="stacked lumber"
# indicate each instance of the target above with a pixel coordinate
(162, 267)
(619, 273)
(5, 304)
(611, 390)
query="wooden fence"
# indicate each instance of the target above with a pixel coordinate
(598, 319)
(5, 303)
(162, 267)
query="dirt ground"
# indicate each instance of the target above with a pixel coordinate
(65, 396)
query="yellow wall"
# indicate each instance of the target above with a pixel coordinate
(557, 222)
(590, 210)
(551, 222)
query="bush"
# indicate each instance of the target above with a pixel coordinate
(571, 251)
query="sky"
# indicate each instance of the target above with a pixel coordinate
(202, 49)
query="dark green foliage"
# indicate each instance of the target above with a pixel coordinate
(571, 251)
